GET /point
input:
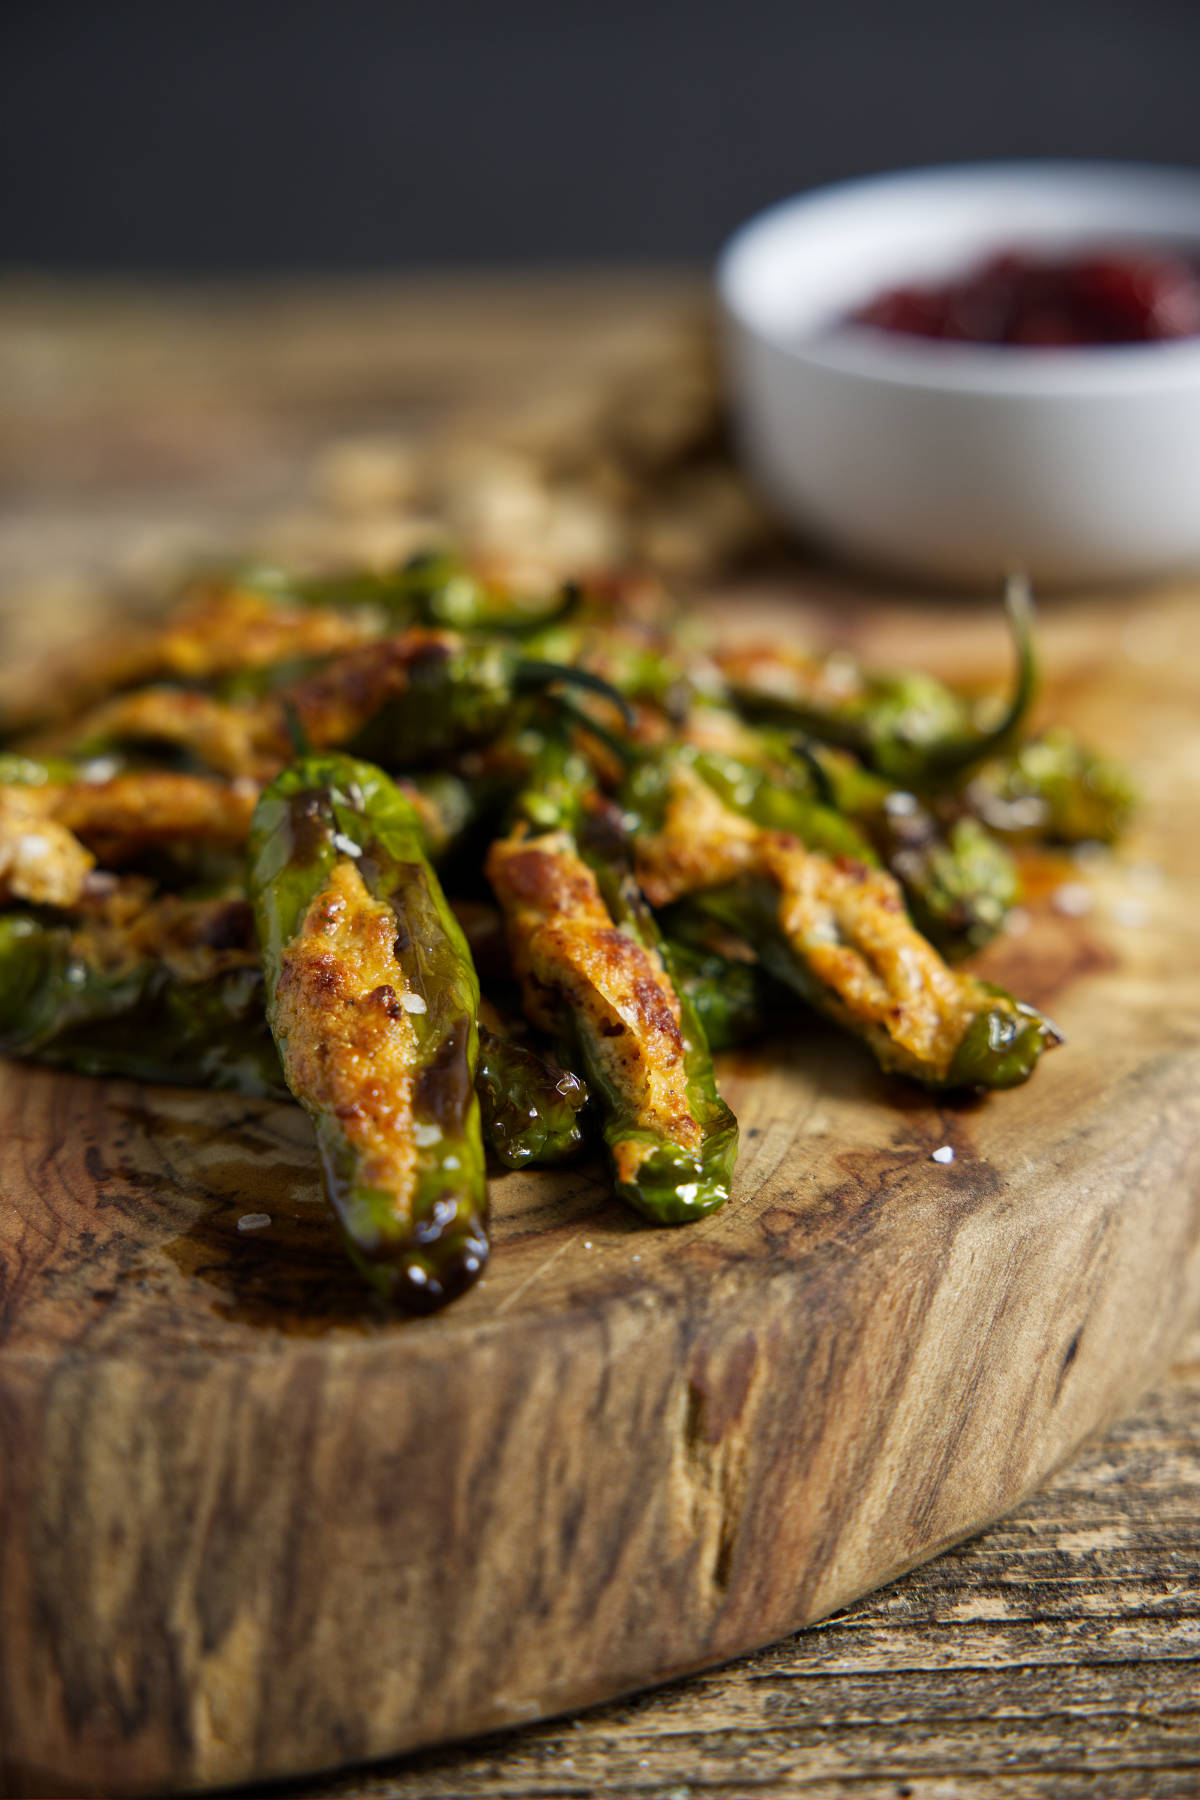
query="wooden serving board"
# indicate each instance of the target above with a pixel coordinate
(249, 1527)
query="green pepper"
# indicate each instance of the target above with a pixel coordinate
(372, 998)
(732, 997)
(134, 1019)
(777, 798)
(959, 881)
(530, 1104)
(1002, 1044)
(672, 1185)
(433, 587)
(1054, 787)
(583, 858)
(904, 724)
(1001, 1038)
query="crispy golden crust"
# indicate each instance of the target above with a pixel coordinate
(701, 843)
(235, 740)
(196, 940)
(334, 703)
(878, 974)
(220, 629)
(568, 954)
(121, 818)
(783, 674)
(40, 860)
(848, 925)
(253, 738)
(349, 1047)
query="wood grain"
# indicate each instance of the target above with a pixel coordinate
(1054, 1657)
(251, 1528)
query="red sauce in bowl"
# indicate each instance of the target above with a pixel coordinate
(1104, 296)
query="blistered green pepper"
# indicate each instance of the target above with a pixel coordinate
(769, 795)
(904, 724)
(959, 881)
(1002, 1044)
(530, 1103)
(433, 587)
(580, 839)
(672, 1185)
(58, 1005)
(732, 997)
(1002, 1038)
(372, 998)
(1054, 787)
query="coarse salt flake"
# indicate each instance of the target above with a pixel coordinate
(945, 1154)
(413, 1003)
(253, 1221)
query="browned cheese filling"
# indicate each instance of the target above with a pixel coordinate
(349, 1047)
(846, 923)
(121, 923)
(568, 954)
(782, 674)
(248, 740)
(40, 860)
(252, 739)
(128, 814)
(217, 630)
(223, 629)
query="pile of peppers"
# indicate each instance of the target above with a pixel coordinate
(278, 845)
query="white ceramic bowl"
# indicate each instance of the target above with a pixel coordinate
(957, 462)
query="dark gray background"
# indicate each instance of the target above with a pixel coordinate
(179, 136)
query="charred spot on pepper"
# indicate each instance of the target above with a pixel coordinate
(445, 1087)
(308, 825)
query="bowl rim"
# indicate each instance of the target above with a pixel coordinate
(937, 367)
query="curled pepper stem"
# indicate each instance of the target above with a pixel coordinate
(957, 754)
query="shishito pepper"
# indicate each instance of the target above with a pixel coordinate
(530, 1103)
(1054, 787)
(404, 701)
(837, 933)
(372, 998)
(958, 879)
(63, 1003)
(434, 587)
(594, 972)
(904, 724)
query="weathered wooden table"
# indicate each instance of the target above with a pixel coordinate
(1057, 1654)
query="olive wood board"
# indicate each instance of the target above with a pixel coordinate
(250, 1527)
